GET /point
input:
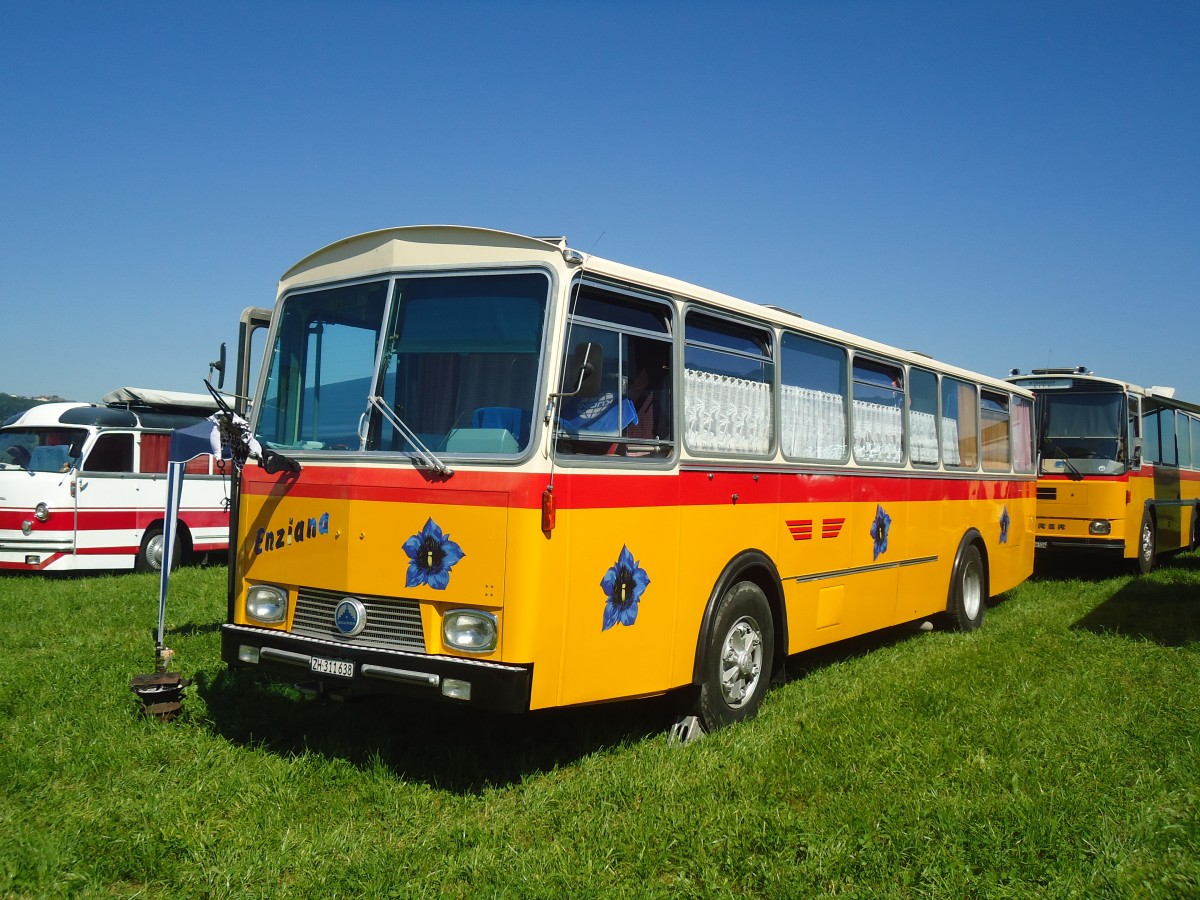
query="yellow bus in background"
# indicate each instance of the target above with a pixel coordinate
(532, 478)
(1120, 467)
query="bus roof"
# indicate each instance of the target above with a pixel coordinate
(387, 250)
(162, 401)
(1052, 379)
(126, 407)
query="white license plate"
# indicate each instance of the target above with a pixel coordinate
(341, 668)
(1039, 545)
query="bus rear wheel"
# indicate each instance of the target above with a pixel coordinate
(967, 603)
(1147, 545)
(739, 659)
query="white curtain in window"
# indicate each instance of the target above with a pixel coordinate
(922, 437)
(814, 423)
(950, 454)
(878, 433)
(726, 415)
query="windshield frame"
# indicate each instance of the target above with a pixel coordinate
(368, 424)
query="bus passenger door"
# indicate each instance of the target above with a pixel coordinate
(622, 585)
(107, 495)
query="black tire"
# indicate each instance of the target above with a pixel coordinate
(150, 554)
(739, 658)
(1147, 554)
(967, 601)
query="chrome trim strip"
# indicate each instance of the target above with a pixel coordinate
(403, 675)
(860, 570)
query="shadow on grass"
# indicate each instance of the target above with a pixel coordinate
(1082, 567)
(1164, 612)
(452, 748)
(457, 748)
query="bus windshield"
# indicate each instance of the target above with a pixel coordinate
(1083, 432)
(454, 358)
(41, 449)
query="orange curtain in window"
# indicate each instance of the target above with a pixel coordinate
(968, 426)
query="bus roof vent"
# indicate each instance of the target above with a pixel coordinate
(1159, 391)
(1078, 370)
(789, 312)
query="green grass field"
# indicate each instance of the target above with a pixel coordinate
(1054, 753)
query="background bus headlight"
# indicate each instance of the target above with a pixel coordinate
(41, 512)
(266, 603)
(1100, 526)
(469, 630)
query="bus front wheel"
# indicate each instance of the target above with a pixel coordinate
(150, 554)
(739, 658)
(1147, 545)
(968, 591)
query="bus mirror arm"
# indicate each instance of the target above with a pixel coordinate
(218, 366)
(588, 362)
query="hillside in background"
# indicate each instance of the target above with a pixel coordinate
(10, 404)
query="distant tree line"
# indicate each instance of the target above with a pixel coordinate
(10, 404)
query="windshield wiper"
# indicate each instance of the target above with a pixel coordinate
(427, 456)
(1072, 472)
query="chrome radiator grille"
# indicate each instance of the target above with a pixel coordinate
(391, 624)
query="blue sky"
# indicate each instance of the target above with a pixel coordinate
(994, 184)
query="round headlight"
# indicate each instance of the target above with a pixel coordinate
(266, 603)
(469, 630)
(41, 512)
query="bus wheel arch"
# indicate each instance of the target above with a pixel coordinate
(742, 641)
(966, 600)
(150, 553)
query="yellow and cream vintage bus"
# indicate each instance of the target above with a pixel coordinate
(531, 478)
(1120, 467)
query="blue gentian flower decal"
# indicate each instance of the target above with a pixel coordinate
(623, 586)
(431, 555)
(879, 530)
(1004, 523)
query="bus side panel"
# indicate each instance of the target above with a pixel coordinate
(934, 528)
(1168, 514)
(1005, 520)
(623, 591)
(814, 557)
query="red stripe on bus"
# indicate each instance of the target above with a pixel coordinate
(624, 490)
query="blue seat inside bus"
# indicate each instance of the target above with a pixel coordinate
(511, 418)
(48, 459)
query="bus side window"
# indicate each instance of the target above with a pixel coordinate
(111, 453)
(729, 371)
(624, 409)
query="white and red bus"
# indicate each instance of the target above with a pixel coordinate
(531, 478)
(83, 485)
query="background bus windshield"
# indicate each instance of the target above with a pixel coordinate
(1085, 428)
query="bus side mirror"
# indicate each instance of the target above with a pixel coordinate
(218, 366)
(1135, 459)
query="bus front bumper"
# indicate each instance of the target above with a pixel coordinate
(1079, 545)
(346, 669)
